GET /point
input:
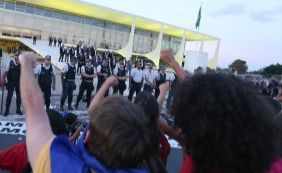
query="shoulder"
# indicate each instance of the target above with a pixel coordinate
(42, 163)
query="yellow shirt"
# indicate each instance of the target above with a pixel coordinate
(42, 164)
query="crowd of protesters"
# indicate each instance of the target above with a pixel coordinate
(222, 122)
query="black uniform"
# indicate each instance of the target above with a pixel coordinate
(68, 86)
(13, 76)
(81, 62)
(101, 79)
(45, 81)
(161, 80)
(121, 83)
(86, 84)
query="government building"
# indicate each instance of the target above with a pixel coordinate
(78, 21)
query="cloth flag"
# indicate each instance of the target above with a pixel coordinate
(198, 22)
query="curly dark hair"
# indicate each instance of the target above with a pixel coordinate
(228, 128)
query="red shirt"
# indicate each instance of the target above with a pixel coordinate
(187, 166)
(165, 148)
(14, 159)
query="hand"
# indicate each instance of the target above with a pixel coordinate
(167, 56)
(28, 58)
(112, 81)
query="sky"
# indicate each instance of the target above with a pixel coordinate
(249, 29)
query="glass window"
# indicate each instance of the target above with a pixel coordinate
(30, 9)
(10, 6)
(38, 11)
(65, 17)
(48, 13)
(20, 7)
(57, 15)
(1, 3)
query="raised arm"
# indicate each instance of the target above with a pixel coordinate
(163, 126)
(168, 57)
(111, 81)
(38, 130)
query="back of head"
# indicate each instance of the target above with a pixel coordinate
(149, 105)
(57, 122)
(227, 127)
(120, 134)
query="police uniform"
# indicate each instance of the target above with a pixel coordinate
(13, 76)
(121, 83)
(149, 80)
(86, 84)
(101, 79)
(161, 79)
(45, 75)
(68, 83)
(136, 82)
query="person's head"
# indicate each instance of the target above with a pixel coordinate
(149, 105)
(119, 133)
(105, 61)
(57, 122)
(47, 60)
(138, 64)
(88, 62)
(274, 103)
(199, 70)
(162, 68)
(150, 67)
(73, 60)
(227, 127)
(16, 57)
(121, 64)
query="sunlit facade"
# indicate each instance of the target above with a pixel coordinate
(111, 29)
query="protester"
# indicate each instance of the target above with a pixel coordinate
(150, 107)
(12, 71)
(46, 75)
(14, 158)
(110, 144)
(225, 124)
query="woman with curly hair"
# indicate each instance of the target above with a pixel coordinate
(227, 127)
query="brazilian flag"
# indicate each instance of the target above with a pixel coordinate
(199, 18)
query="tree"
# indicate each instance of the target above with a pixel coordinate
(239, 65)
(273, 69)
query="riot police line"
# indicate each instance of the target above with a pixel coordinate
(45, 73)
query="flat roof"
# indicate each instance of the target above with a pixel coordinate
(103, 13)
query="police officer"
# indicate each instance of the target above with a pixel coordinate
(68, 82)
(46, 75)
(160, 79)
(135, 80)
(12, 72)
(103, 72)
(149, 77)
(120, 73)
(87, 74)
